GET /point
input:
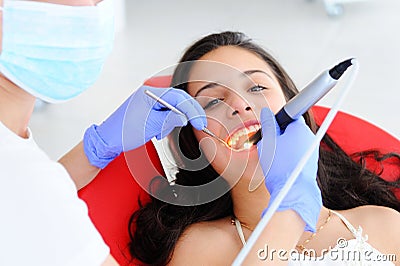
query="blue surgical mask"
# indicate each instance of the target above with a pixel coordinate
(53, 51)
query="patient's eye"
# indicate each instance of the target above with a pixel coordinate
(212, 103)
(256, 88)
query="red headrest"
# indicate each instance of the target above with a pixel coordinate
(114, 195)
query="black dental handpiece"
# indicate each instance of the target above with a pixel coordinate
(307, 97)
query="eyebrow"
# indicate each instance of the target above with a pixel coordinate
(245, 73)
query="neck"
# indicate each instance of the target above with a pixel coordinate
(248, 206)
(16, 107)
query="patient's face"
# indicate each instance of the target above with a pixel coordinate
(232, 98)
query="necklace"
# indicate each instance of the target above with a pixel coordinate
(302, 245)
(299, 246)
(241, 224)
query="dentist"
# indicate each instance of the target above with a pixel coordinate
(54, 50)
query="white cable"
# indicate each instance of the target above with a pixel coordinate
(299, 167)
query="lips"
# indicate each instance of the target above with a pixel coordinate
(239, 137)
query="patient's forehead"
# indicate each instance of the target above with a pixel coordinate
(222, 64)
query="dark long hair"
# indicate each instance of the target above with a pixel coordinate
(344, 180)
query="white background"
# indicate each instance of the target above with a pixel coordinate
(153, 34)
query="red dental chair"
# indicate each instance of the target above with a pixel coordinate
(113, 195)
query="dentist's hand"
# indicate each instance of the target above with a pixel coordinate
(304, 197)
(139, 119)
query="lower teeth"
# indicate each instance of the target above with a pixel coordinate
(247, 145)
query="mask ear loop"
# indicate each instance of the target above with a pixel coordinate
(295, 173)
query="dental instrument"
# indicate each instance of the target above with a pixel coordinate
(307, 97)
(177, 111)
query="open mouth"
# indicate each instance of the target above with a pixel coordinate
(239, 139)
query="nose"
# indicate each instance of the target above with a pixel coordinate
(247, 108)
(239, 106)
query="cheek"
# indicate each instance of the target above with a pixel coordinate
(278, 102)
(208, 145)
(273, 100)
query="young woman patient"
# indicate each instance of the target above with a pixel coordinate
(359, 212)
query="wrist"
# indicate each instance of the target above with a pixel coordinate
(308, 214)
(98, 152)
(306, 205)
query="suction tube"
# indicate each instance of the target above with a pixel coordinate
(307, 97)
(311, 94)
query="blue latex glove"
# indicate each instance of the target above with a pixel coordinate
(139, 119)
(304, 197)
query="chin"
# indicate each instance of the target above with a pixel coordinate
(240, 165)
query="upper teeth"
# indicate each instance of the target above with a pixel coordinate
(243, 132)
